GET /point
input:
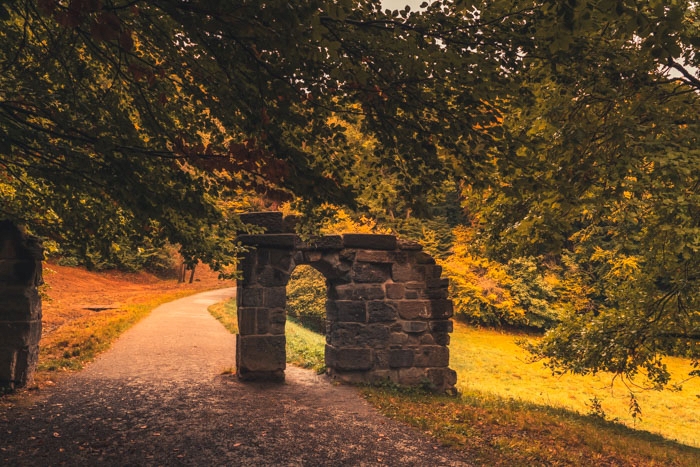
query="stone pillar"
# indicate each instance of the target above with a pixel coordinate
(261, 299)
(392, 320)
(20, 306)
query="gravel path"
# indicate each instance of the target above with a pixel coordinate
(159, 397)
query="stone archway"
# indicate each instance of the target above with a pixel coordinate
(387, 308)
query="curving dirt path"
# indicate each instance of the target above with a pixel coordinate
(159, 397)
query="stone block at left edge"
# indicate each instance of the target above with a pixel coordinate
(17, 366)
(260, 357)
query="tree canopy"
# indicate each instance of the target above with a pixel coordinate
(572, 125)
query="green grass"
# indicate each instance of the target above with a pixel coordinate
(225, 312)
(305, 348)
(492, 430)
(490, 361)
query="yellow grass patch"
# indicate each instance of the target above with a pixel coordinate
(491, 361)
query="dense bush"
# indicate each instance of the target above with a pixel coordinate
(162, 260)
(306, 298)
(490, 293)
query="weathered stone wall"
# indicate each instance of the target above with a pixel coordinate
(20, 306)
(388, 312)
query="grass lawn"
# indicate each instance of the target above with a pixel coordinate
(490, 361)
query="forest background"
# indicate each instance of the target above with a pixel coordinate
(546, 152)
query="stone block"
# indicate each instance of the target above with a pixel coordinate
(277, 329)
(441, 338)
(412, 309)
(381, 358)
(381, 256)
(271, 221)
(25, 307)
(277, 315)
(327, 242)
(442, 379)
(17, 363)
(380, 311)
(370, 241)
(20, 272)
(427, 339)
(349, 311)
(379, 377)
(247, 321)
(441, 309)
(432, 356)
(260, 353)
(247, 267)
(8, 364)
(356, 292)
(397, 338)
(376, 335)
(401, 358)
(408, 245)
(15, 244)
(344, 334)
(412, 376)
(17, 366)
(371, 272)
(348, 377)
(349, 358)
(414, 327)
(312, 256)
(19, 334)
(272, 277)
(347, 255)
(437, 283)
(433, 271)
(275, 297)
(289, 223)
(423, 258)
(262, 320)
(282, 259)
(443, 325)
(276, 376)
(332, 268)
(394, 291)
(414, 340)
(407, 272)
(250, 297)
(436, 293)
(280, 240)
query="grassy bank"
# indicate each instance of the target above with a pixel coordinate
(79, 341)
(491, 361)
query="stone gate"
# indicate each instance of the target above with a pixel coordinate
(387, 308)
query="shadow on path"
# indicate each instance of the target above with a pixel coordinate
(158, 397)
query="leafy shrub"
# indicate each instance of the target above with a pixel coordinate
(490, 293)
(306, 298)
